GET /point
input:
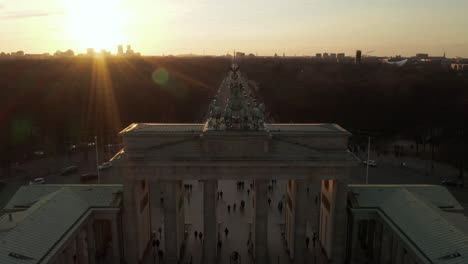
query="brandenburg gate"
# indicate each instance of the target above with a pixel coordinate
(235, 143)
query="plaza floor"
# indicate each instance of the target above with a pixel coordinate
(237, 221)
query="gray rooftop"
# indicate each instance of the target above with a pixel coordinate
(418, 212)
(49, 213)
(171, 128)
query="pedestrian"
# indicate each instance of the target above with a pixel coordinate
(196, 234)
(269, 201)
(314, 238)
(229, 208)
(242, 205)
(221, 194)
(162, 200)
(248, 192)
(307, 242)
(157, 243)
(220, 244)
(200, 235)
(234, 207)
(160, 232)
(226, 232)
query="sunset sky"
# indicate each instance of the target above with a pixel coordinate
(301, 27)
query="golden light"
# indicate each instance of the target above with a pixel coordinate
(95, 24)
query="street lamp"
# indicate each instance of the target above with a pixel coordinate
(367, 163)
(97, 158)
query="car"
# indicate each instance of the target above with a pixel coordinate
(453, 183)
(37, 181)
(372, 163)
(39, 153)
(105, 165)
(88, 177)
(69, 170)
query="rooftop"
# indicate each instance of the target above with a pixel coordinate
(424, 214)
(39, 218)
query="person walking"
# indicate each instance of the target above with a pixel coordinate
(229, 208)
(221, 194)
(307, 242)
(234, 207)
(314, 239)
(226, 232)
(196, 234)
(269, 201)
(200, 235)
(248, 192)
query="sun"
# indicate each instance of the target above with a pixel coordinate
(95, 24)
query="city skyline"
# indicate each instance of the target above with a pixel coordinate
(214, 28)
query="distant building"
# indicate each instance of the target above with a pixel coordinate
(325, 56)
(459, 67)
(68, 53)
(318, 56)
(340, 56)
(90, 52)
(357, 60)
(333, 56)
(240, 54)
(422, 56)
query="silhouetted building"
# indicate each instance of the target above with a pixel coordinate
(422, 56)
(325, 56)
(333, 56)
(318, 55)
(240, 54)
(340, 56)
(358, 57)
(120, 50)
(90, 52)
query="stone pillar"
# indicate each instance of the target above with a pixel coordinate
(338, 253)
(171, 221)
(130, 216)
(115, 239)
(91, 242)
(261, 222)
(210, 221)
(356, 251)
(386, 246)
(81, 251)
(313, 196)
(300, 221)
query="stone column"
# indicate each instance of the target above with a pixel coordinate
(130, 216)
(171, 227)
(261, 222)
(300, 221)
(314, 199)
(386, 246)
(115, 239)
(338, 253)
(81, 251)
(356, 251)
(91, 242)
(210, 221)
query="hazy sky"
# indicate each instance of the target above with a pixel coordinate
(387, 27)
